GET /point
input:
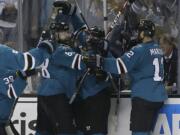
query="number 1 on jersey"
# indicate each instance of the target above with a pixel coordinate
(156, 63)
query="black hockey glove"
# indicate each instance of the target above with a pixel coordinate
(101, 47)
(92, 61)
(46, 42)
(25, 74)
(45, 35)
(66, 7)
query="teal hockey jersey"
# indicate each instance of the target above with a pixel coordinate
(11, 61)
(144, 64)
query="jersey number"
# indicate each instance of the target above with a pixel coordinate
(9, 79)
(156, 64)
(44, 70)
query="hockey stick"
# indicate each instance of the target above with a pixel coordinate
(78, 88)
(113, 24)
(81, 14)
(10, 129)
(117, 90)
(86, 73)
(115, 21)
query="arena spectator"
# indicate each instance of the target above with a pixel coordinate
(167, 43)
(8, 16)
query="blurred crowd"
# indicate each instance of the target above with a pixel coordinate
(35, 15)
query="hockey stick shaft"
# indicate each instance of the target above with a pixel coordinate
(81, 14)
(78, 87)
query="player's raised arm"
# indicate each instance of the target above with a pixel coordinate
(36, 56)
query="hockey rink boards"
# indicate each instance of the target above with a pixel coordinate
(168, 123)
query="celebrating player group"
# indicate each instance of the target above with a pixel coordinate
(78, 65)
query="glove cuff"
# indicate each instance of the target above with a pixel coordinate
(25, 74)
(21, 74)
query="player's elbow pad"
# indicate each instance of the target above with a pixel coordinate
(47, 44)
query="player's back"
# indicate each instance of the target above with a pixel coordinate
(147, 73)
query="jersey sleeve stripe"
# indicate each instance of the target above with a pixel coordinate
(74, 61)
(118, 66)
(11, 92)
(8, 93)
(122, 65)
(29, 61)
(25, 62)
(79, 62)
(33, 62)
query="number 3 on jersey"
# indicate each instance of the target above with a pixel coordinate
(156, 64)
(44, 70)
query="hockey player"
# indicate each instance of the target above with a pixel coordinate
(144, 64)
(93, 102)
(55, 115)
(15, 68)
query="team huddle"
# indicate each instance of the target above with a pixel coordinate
(75, 67)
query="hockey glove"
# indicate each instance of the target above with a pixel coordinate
(101, 47)
(92, 61)
(45, 35)
(66, 7)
